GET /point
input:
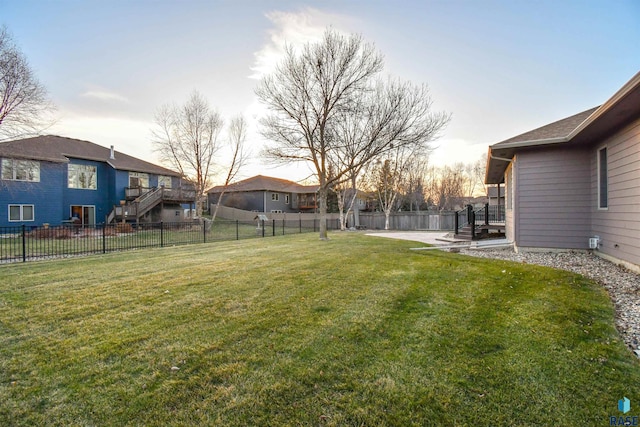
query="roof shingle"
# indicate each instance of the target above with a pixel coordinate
(266, 183)
(60, 149)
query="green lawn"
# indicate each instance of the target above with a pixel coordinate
(294, 331)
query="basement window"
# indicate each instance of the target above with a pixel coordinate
(21, 213)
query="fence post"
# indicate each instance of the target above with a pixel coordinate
(204, 231)
(162, 234)
(473, 225)
(469, 211)
(300, 219)
(457, 223)
(262, 221)
(283, 224)
(486, 214)
(24, 243)
(273, 227)
(104, 238)
(237, 230)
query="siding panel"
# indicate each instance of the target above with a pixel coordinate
(553, 187)
(619, 226)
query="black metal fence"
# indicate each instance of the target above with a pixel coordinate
(24, 243)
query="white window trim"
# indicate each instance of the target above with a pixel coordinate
(508, 183)
(33, 211)
(82, 188)
(275, 197)
(286, 199)
(13, 169)
(600, 207)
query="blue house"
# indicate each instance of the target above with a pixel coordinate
(55, 180)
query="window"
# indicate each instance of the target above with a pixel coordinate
(20, 213)
(603, 184)
(275, 197)
(164, 181)
(82, 176)
(20, 170)
(509, 189)
(286, 199)
(137, 179)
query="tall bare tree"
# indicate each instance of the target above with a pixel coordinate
(309, 94)
(24, 102)
(446, 185)
(390, 176)
(237, 136)
(186, 138)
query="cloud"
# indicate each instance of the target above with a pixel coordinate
(293, 29)
(129, 136)
(104, 95)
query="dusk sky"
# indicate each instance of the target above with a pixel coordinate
(499, 67)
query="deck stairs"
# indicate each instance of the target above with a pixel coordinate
(484, 223)
(141, 205)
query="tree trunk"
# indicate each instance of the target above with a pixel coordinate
(386, 219)
(215, 212)
(341, 196)
(322, 204)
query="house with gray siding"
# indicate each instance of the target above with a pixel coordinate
(56, 180)
(266, 194)
(575, 183)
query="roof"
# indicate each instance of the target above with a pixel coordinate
(58, 149)
(582, 128)
(265, 183)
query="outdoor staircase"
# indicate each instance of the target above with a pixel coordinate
(137, 208)
(479, 224)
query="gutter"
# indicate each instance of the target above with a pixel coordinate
(534, 142)
(623, 92)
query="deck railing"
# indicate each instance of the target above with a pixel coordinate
(484, 216)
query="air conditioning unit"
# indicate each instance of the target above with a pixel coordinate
(594, 242)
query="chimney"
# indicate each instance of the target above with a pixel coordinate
(112, 155)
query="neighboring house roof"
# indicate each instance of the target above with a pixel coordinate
(60, 149)
(582, 128)
(265, 183)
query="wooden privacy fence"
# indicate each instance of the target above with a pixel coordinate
(423, 220)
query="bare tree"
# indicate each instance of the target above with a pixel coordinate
(186, 138)
(236, 140)
(446, 185)
(311, 92)
(414, 183)
(24, 102)
(478, 170)
(391, 174)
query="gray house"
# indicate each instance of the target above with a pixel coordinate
(575, 183)
(266, 194)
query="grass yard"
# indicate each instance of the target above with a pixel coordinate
(294, 331)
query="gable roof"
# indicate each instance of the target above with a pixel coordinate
(265, 183)
(582, 128)
(548, 133)
(58, 149)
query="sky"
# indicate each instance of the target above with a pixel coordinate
(499, 67)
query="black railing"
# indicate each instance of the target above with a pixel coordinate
(24, 243)
(486, 215)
